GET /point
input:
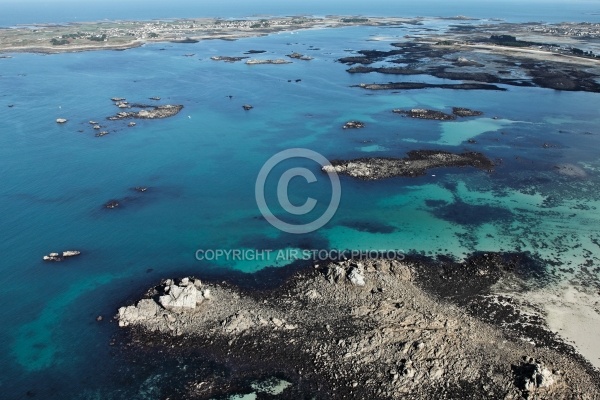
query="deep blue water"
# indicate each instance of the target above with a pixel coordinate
(201, 166)
(58, 11)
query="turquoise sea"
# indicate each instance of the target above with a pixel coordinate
(201, 166)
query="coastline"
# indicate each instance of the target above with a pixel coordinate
(199, 29)
(363, 329)
(217, 29)
(539, 199)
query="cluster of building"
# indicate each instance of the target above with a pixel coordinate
(584, 30)
(179, 28)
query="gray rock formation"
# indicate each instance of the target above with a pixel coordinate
(532, 375)
(61, 256)
(383, 338)
(149, 112)
(417, 163)
(182, 297)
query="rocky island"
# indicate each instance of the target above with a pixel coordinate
(299, 56)
(227, 58)
(355, 329)
(421, 113)
(417, 163)
(149, 112)
(354, 125)
(277, 61)
(61, 256)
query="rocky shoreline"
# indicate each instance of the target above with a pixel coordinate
(421, 85)
(417, 163)
(421, 113)
(472, 66)
(277, 61)
(360, 329)
(148, 112)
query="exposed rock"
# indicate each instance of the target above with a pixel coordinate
(116, 99)
(148, 112)
(335, 273)
(131, 124)
(354, 125)
(299, 56)
(144, 310)
(155, 98)
(385, 339)
(112, 204)
(181, 297)
(101, 133)
(61, 120)
(465, 112)
(356, 277)
(531, 375)
(238, 323)
(422, 113)
(247, 107)
(464, 62)
(420, 85)
(416, 164)
(227, 59)
(140, 189)
(61, 256)
(276, 61)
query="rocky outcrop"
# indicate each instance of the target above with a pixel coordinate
(247, 107)
(173, 297)
(112, 204)
(227, 59)
(420, 85)
(354, 125)
(465, 112)
(342, 272)
(275, 61)
(149, 112)
(531, 375)
(417, 163)
(184, 296)
(465, 62)
(61, 120)
(61, 256)
(422, 113)
(351, 329)
(299, 56)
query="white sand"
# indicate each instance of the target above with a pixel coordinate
(574, 315)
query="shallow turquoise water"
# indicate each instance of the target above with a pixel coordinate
(201, 167)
